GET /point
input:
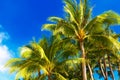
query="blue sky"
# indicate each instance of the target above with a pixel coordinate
(21, 20)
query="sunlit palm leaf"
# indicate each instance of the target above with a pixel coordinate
(107, 18)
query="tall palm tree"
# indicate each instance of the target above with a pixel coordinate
(43, 60)
(79, 25)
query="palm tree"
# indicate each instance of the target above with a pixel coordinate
(27, 66)
(79, 25)
(43, 60)
(105, 50)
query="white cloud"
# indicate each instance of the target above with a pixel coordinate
(4, 56)
(4, 51)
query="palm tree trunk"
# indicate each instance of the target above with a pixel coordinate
(84, 76)
(110, 66)
(106, 74)
(39, 74)
(119, 69)
(49, 76)
(91, 74)
(101, 69)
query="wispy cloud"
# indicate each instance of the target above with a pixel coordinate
(3, 36)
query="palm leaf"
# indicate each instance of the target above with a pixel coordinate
(109, 18)
(49, 27)
(59, 76)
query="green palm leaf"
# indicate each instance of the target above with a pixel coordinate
(98, 23)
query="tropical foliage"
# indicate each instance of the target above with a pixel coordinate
(80, 46)
(43, 60)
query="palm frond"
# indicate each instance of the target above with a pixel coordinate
(70, 8)
(59, 76)
(109, 18)
(50, 27)
(55, 19)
